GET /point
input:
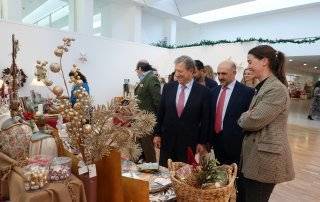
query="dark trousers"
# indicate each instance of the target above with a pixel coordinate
(253, 191)
(149, 154)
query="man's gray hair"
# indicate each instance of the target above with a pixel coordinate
(188, 61)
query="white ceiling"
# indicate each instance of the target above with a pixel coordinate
(299, 61)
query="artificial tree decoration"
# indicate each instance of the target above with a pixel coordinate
(95, 131)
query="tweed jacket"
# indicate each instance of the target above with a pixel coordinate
(266, 155)
(148, 93)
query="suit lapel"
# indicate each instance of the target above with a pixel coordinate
(255, 99)
(233, 98)
(173, 97)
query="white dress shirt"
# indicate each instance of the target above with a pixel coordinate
(227, 98)
(187, 91)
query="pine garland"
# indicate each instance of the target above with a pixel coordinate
(165, 44)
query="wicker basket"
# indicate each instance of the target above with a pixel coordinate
(187, 193)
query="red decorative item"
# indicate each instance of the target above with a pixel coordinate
(190, 157)
(28, 116)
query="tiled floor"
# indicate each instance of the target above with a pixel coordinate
(298, 114)
(304, 137)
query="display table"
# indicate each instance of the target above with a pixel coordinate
(71, 190)
(149, 184)
(12, 186)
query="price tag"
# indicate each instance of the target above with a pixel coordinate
(163, 181)
(92, 170)
(83, 170)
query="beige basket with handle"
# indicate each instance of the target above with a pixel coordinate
(187, 193)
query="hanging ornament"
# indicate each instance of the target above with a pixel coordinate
(55, 67)
(57, 90)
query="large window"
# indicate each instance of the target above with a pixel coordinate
(50, 13)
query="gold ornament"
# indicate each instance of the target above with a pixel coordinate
(57, 90)
(87, 128)
(77, 106)
(47, 82)
(58, 52)
(55, 67)
(79, 82)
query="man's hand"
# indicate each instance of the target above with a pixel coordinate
(201, 149)
(157, 142)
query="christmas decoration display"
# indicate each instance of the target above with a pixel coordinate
(96, 130)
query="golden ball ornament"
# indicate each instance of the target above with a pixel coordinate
(80, 95)
(58, 52)
(55, 67)
(77, 106)
(47, 82)
(79, 82)
(57, 90)
(87, 128)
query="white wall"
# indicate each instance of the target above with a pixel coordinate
(109, 61)
(213, 55)
(153, 28)
(292, 23)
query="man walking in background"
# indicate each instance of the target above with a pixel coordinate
(148, 93)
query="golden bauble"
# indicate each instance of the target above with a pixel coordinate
(80, 95)
(87, 128)
(47, 82)
(58, 52)
(55, 67)
(77, 106)
(57, 90)
(79, 82)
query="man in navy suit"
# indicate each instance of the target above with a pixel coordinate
(201, 78)
(230, 100)
(183, 117)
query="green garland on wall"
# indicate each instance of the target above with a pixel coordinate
(164, 44)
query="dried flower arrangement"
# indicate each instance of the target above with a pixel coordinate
(95, 131)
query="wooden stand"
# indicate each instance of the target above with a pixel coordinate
(109, 178)
(135, 190)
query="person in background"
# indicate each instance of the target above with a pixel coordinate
(200, 76)
(266, 155)
(85, 85)
(209, 72)
(183, 118)
(148, 94)
(248, 78)
(315, 105)
(171, 77)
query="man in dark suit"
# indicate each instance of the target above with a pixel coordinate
(183, 117)
(201, 78)
(230, 100)
(148, 94)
